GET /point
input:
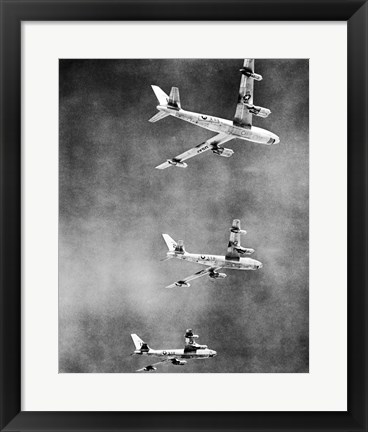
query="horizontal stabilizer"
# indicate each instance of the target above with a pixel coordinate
(159, 116)
(167, 258)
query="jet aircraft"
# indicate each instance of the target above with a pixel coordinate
(240, 127)
(232, 260)
(178, 357)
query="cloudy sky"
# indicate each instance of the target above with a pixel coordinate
(114, 206)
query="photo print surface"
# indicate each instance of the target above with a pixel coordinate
(222, 169)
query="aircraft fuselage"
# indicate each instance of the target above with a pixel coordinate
(179, 353)
(220, 125)
(218, 261)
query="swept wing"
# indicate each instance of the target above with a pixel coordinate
(234, 248)
(210, 144)
(151, 366)
(184, 282)
(242, 116)
(234, 241)
(190, 343)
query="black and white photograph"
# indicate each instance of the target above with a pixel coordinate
(163, 161)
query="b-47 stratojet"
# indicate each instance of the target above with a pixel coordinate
(178, 357)
(240, 127)
(234, 258)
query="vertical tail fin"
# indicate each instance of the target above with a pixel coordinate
(170, 243)
(173, 246)
(162, 97)
(139, 344)
(172, 101)
(137, 341)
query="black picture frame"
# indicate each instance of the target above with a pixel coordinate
(355, 12)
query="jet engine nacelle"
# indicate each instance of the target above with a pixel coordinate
(181, 284)
(218, 275)
(202, 346)
(149, 369)
(237, 231)
(224, 152)
(243, 250)
(177, 163)
(179, 362)
(189, 333)
(258, 111)
(249, 73)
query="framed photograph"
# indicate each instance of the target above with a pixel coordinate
(260, 188)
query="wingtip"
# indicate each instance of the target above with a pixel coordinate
(163, 166)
